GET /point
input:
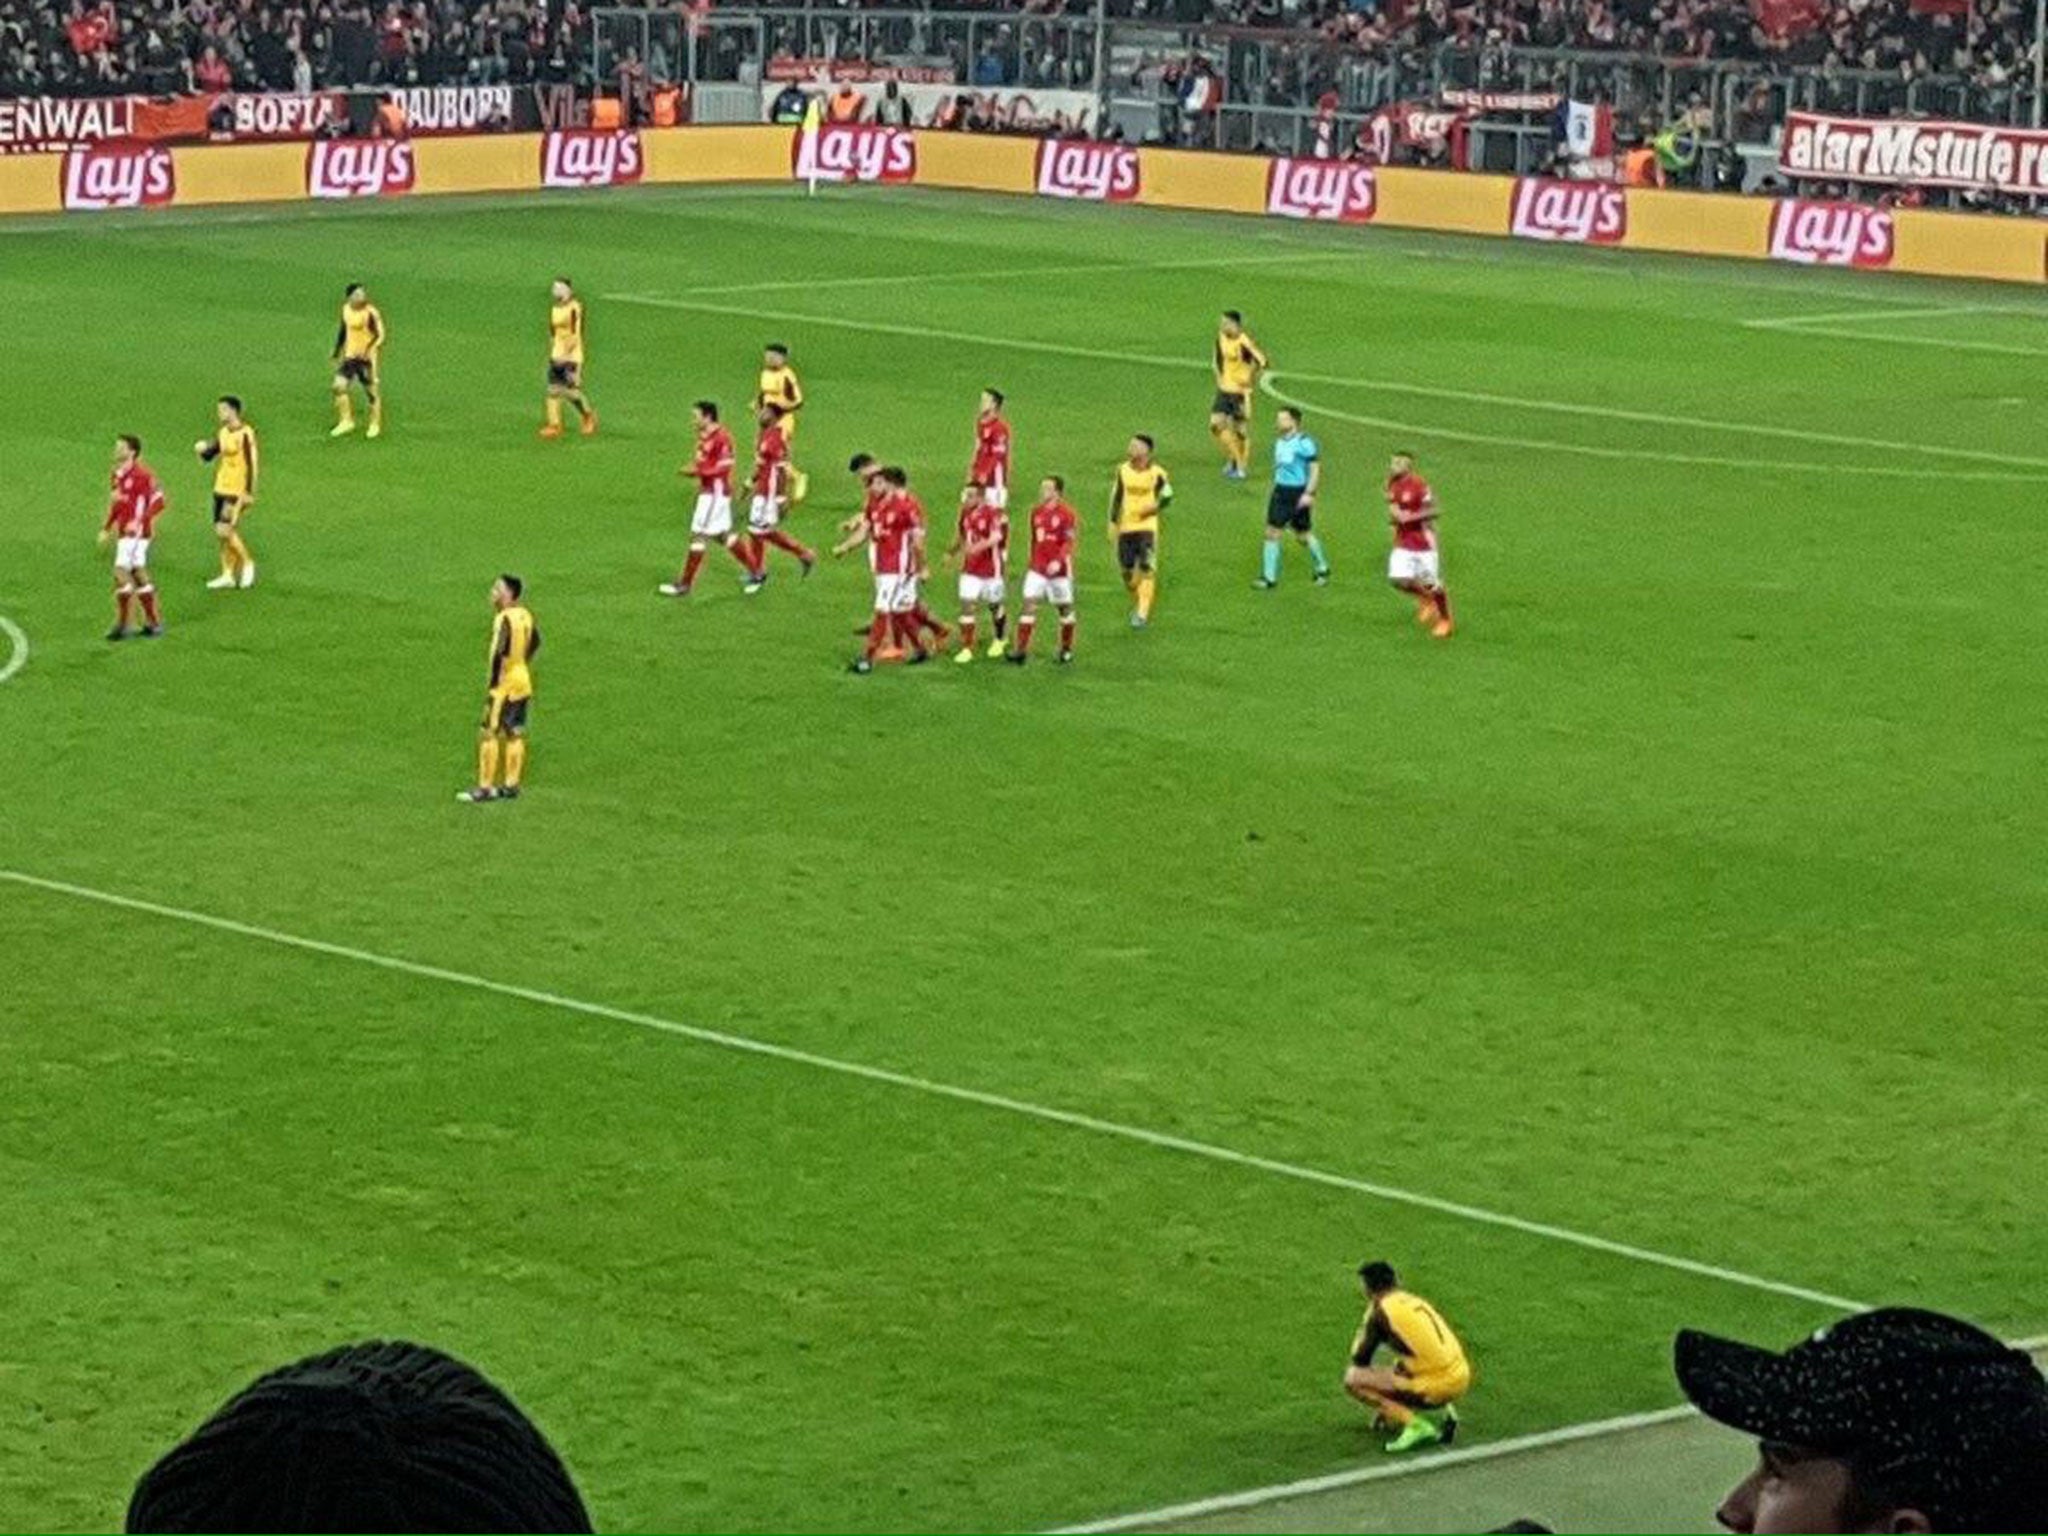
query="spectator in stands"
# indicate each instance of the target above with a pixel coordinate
(789, 104)
(845, 105)
(893, 110)
(372, 1437)
(211, 72)
(1893, 1420)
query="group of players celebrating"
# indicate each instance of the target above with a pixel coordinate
(891, 524)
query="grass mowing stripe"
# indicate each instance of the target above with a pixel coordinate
(1390, 386)
(987, 1100)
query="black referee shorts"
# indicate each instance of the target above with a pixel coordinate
(1284, 509)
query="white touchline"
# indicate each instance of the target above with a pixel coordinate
(1944, 343)
(1270, 384)
(1389, 386)
(936, 1089)
(1795, 322)
(1274, 1493)
(17, 648)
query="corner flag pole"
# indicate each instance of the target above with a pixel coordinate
(807, 143)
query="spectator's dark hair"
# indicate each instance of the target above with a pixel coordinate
(1059, 483)
(371, 1437)
(1143, 437)
(563, 280)
(895, 475)
(777, 346)
(233, 403)
(1231, 314)
(976, 486)
(134, 443)
(1405, 453)
(860, 463)
(513, 584)
(1378, 1275)
(995, 395)
(1292, 412)
(355, 288)
(708, 407)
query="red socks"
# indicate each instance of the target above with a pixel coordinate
(1066, 634)
(150, 616)
(691, 566)
(782, 540)
(878, 634)
(743, 550)
(1025, 626)
(123, 601)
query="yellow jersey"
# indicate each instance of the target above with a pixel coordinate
(234, 461)
(565, 332)
(1416, 1333)
(1140, 493)
(780, 389)
(515, 640)
(362, 333)
(1238, 363)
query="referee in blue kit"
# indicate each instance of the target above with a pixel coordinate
(1297, 474)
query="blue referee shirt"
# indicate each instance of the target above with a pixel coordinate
(1292, 457)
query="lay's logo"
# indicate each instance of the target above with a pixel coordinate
(1097, 173)
(1322, 189)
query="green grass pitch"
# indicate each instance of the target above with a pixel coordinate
(1690, 897)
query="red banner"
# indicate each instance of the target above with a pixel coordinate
(1831, 234)
(359, 168)
(585, 157)
(38, 124)
(1903, 152)
(1581, 212)
(1096, 173)
(856, 72)
(1322, 189)
(119, 176)
(854, 152)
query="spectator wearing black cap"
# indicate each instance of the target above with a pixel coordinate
(372, 1437)
(1892, 1420)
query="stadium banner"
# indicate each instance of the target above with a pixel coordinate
(1825, 234)
(785, 70)
(240, 173)
(1192, 178)
(1457, 201)
(490, 162)
(865, 152)
(1696, 223)
(1094, 173)
(973, 162)
(1333, 190)
(1906, 152)
(1577, 212)
(282, 114)
(28, 185)
(739, 152)
(1011, 108)
(34, 125)
(118, 175)
(1969, 245)
(344, 168)
(592, 157)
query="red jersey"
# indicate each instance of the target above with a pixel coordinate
(978, 524)
(991, 451)
(137, 502)
(1053, 529)
(771, 463)
(714, 461)
(1411, 497)
(889, 530)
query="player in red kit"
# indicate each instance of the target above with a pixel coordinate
(991, 466)
(137, 502)
(887, 526)
(1412, 564)
(920, 617)
(712, 466)
(772, 494)
(1050, 579)
(981, 544)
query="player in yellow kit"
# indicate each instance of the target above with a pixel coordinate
(1134, 504)
(1239, 362)
(232, 452)
(1416, 1395)
(780, 388)
(515, 641)
(565, 361)
(358, 362)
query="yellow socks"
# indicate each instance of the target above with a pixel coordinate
(1145, 587)
(515, 761)
(554, 411)
(1241, 448)
(229, 564)
(487, 761)
(344, 411)
(235, 555)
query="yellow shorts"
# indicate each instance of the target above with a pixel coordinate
(788, 425)
(505, 715)
(1435, 1388)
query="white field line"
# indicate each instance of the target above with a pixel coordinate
(1270, 384)
(1388, 386)
(1944, 343)
(1493, 1450)
(17, 648)
(1799, 322)
(934, 1088)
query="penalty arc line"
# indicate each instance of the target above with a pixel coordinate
(934, 1088)
(1333, 1482)
(1389, 386)
(17, 648)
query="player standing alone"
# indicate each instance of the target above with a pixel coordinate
(232, 452)
(515, 641)
(1142, 489)
(1412, 565)
(565, 361)
(138, 501)
(1297, 477)
(771, 495)
(991, 466)
(1239, 362)
(981, 543)
(358, 362)
(1050, 579)
(712, 519)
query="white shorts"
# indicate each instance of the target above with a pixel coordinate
(895, 594)
(981, 589)
(130, 554)
(713, 517)
(1057, 590)
(1418, 567)
(765, 515)
(996, 495)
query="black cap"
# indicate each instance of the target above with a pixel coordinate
(1932, 1411)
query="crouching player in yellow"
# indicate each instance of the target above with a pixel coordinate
(1417, 1395)
(515, 641)
(232, 453)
